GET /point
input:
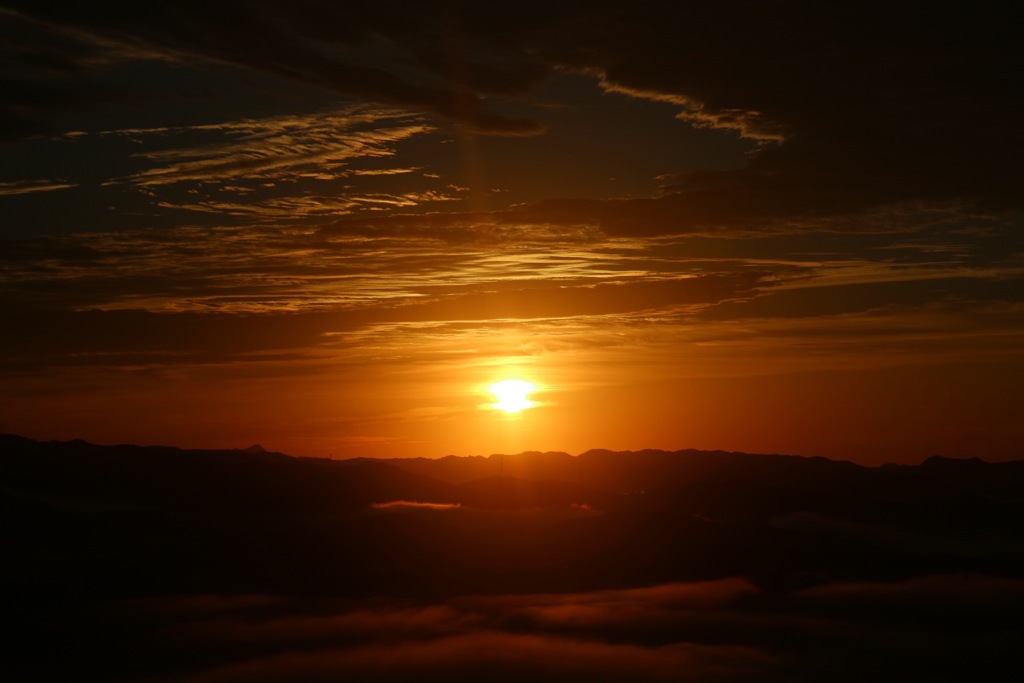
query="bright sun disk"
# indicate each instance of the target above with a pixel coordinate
(511, 395)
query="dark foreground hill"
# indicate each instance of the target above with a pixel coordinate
(92, 531)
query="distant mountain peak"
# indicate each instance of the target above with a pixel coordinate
(255, 449)
(961, 463)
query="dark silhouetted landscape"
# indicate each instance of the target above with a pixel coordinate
(130, 563)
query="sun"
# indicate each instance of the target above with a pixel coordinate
(511, 395)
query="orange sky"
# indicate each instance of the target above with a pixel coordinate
(330, 242)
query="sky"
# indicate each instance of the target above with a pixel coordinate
(325, 227)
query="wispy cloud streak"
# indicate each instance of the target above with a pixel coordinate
(277, 147)
(31, 186)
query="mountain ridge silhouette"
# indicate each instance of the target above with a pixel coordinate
(137, 520)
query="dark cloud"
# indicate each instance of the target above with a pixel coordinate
(277, 629)
(939, 628)
(390, 53)
(45, 73)
(857, 104)
(713, 204)
(874, 103)
(138, 338)
(507, 657)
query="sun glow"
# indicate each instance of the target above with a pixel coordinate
(511, 395)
